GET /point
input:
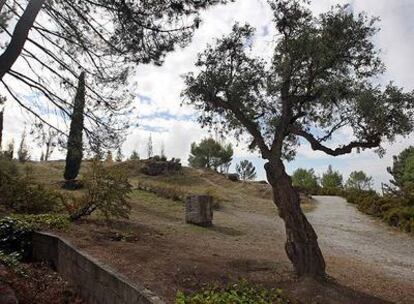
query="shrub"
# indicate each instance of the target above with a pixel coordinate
(7, 166)
(157, 166)
(22, 195)
(166, 191)
(107, 191)
(305, 180)
(15, 236)
(397, 211)
(16, 231)
(236, 293)
(12, 261)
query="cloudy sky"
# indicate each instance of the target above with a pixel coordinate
(158, 97)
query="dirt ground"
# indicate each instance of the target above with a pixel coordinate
(156, 248)
(36, 284)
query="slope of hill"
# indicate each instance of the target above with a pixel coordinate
(157, 248)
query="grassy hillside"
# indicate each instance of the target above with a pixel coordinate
(176, 186)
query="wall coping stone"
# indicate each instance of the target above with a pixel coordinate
(102, 279)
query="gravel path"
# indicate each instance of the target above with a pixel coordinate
(342, 227)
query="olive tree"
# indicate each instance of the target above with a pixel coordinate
(318, 82)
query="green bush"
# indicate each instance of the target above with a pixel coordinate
(16, 231)
(22, 195)
(395, 210)
(107, 191)
(15, 236)
(12, 261)
(241, 293)
(7, 166)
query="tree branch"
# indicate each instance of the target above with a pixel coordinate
(316, 145)
(20, 34)
(247, 123)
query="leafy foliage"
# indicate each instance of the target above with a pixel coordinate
(210, 154)
(107, 191)
(246, 170)
(7, 167)
(22, 195)
(403, 171)
(305, 179)
(134, 155)
(75, 144)
(242, 293)
(397, 211)
(16, 231)
(12, 260)
(359, 181)
(332, 179)
(15, 236)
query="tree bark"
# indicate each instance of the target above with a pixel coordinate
(20, 34)
(301, 240)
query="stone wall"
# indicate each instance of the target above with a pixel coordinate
(96, 283)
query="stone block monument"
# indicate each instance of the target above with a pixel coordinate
(199, 210)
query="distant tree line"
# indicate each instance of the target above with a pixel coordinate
(330, 181)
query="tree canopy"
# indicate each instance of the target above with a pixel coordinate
(319, 81)
(332, 179)
(359, 181)
(305, 179)
(402, 170)
(210, 154)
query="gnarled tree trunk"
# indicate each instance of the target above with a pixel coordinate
(302, 242)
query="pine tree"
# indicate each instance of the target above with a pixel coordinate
(210, 154)
(75, 143)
